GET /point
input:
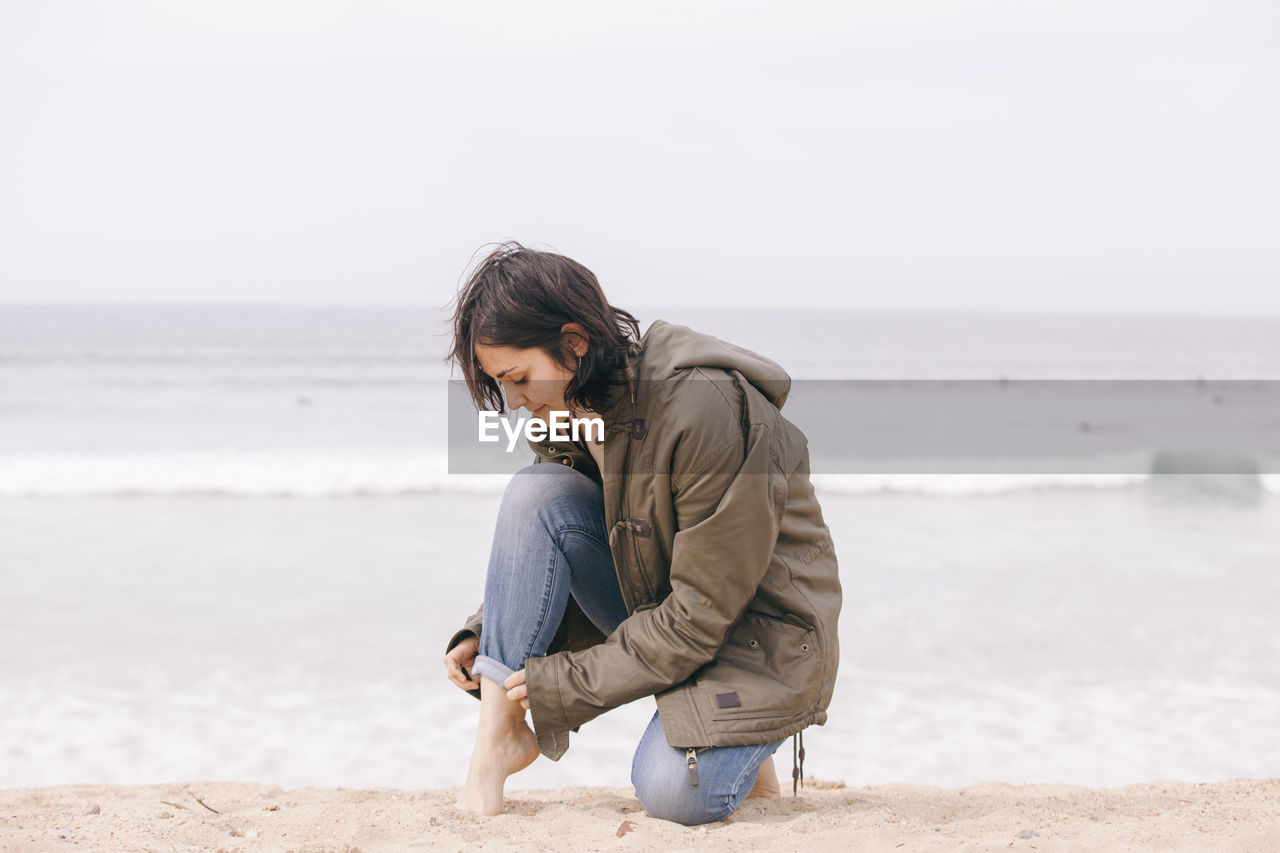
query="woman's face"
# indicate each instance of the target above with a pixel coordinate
(530, 379)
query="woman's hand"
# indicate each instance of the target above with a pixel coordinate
(459, 662)
(517, 691)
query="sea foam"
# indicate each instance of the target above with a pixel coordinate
(355, 471)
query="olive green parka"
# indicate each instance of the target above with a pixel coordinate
(726, 566)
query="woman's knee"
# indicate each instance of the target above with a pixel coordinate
(661, 780)
(539, 485)
(674, 799)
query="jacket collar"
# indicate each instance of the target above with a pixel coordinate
(618, 408)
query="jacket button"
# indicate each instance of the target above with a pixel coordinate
(804, 647)
(567, 461)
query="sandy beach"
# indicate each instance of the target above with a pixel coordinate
(827, 816)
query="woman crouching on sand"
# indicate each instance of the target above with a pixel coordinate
(684, 556)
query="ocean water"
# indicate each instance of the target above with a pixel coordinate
(229, 549)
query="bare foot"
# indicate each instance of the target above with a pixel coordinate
(504, 744)
(766, 786)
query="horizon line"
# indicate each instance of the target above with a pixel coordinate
(651, 307)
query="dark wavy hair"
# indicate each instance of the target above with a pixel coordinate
(519, 297)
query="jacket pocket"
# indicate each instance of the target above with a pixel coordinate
(768, 667)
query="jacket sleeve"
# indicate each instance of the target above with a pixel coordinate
(470, 629)
(728, 496)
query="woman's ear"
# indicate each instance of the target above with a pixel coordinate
(578, 338)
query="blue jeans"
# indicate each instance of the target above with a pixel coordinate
(551, 543)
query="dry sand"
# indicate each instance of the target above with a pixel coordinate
(1238, 815)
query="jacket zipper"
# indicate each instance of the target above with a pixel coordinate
(691, 761)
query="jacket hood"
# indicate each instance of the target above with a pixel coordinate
(670, 347)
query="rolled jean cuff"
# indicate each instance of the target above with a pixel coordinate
(494, 670)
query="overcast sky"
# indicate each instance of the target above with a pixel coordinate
(1055, 156)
